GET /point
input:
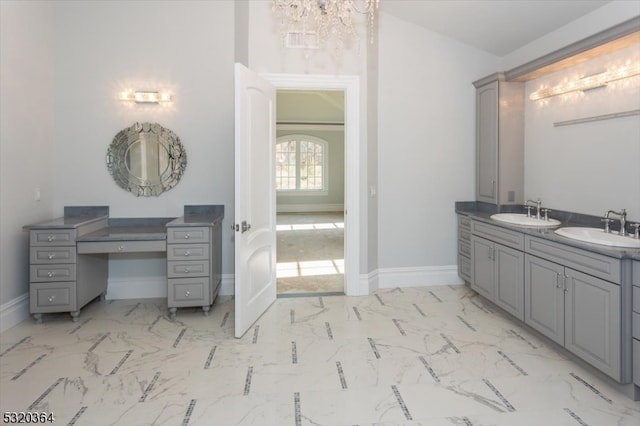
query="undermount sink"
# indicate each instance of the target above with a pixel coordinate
(524, 220)
(598, 236)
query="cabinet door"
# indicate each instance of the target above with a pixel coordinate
(509, 283)
(592, 315)
(487, 143)
(482, 271)
(544, 297)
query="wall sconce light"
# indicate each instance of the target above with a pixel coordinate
(587, 83)
(145, 97)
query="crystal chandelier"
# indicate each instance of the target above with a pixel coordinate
(312, 23)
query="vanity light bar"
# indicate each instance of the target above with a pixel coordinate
(145, 97)
(586, 83)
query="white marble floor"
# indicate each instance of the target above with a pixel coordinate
(310, 252)
(429, 356)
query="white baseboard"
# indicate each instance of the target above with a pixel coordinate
(368, 284)
(426, 276)
(308, 208)
(228, 285)
(14, 312)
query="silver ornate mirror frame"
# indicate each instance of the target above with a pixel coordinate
(146, 159)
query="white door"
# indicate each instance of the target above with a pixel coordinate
(255, 218)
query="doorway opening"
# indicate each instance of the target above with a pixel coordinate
(310, 189)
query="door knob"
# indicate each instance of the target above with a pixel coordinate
(245, 226)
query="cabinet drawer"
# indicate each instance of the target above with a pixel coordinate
(52, 273)
(188, 292)
(635, 327)
(636, 273)
(187, 251)
(464, 235)
(187, 268)
(464, 222)
(503, 236)
(464, 248)
(636, 299)
(52, 297)
(89, 247)
(188, 235)
(636, 362)
(54, 254)
(464, 268)
(607, 268)
(53, 237)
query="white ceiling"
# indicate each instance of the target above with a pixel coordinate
(496, 26)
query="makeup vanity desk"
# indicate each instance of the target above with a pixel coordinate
(69, 256)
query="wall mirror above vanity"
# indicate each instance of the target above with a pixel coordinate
(146, 159)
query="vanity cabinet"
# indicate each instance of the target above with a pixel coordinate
(194, 261)
(636, 322)
(579, 310)
(497, 266)
(499, 140)
(59, 279)
(464, 248)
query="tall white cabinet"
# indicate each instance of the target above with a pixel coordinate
(499, 140)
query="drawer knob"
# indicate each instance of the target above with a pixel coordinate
(186, 270)
(187, 293)
(50, 274)
(186, 236)
(51, 238)
(51, 298)
(187, 253)
(51, 256)
(120, 248)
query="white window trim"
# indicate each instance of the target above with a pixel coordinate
(324, 192)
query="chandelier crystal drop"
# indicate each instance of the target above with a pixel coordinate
(312, 23)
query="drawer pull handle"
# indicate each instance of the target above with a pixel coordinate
(120, 248)
(51, 256)
(187, 253)
(51, 298)
(51, 238)
(50, 274)
(186, 236)
(187, 293)
(186, 270)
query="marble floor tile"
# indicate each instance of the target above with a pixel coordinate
(410, 356)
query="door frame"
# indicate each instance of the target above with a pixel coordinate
(350, 85)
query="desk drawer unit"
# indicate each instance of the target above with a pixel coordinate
(189, 264)
(95, 247)
(53, 237)
(54, 254)
(53, 273)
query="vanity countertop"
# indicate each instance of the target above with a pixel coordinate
(483, 212)
(66, 222)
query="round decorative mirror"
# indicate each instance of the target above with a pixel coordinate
(146, 159)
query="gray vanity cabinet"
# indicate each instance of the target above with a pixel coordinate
(497, 266)
(576, 310)
(464, 248)
(60, 280)
(193, 266)
(635, 327)
(499, 140)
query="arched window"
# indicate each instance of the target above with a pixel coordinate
(301, 164)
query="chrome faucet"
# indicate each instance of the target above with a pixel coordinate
(538, 204)
(622, 215)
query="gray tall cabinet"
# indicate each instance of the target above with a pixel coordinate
(499, 140)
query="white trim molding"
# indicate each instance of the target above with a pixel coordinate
(369, 283)
(14, 312)
(424, 276)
